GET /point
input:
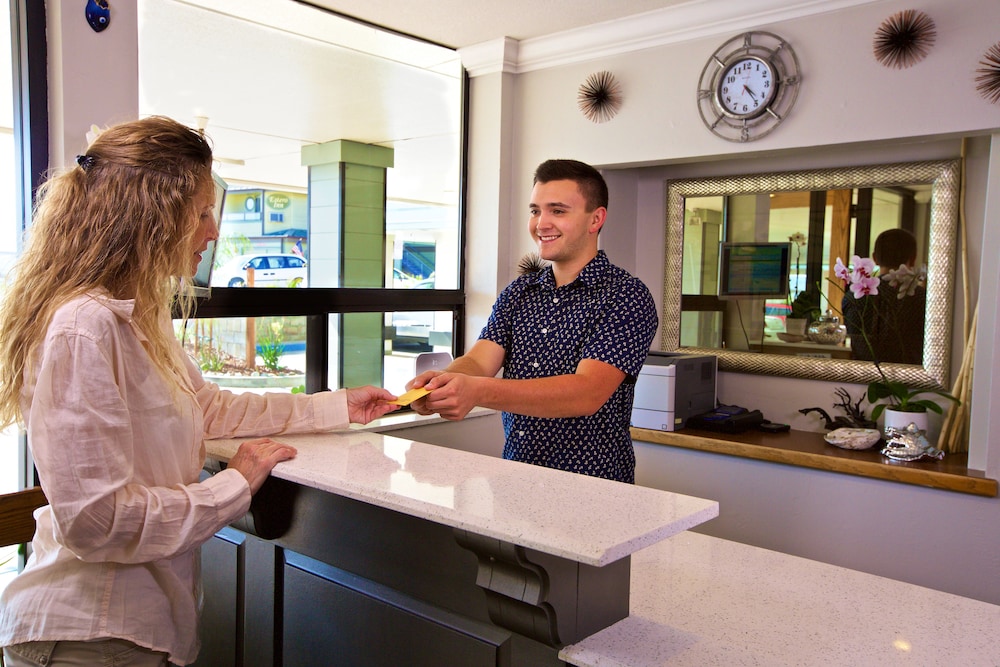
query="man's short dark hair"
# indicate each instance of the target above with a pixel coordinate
(589, 180)
(894, 247)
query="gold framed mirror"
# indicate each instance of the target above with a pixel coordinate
(940, 177)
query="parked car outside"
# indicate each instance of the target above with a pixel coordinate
(402, 280)
(426, 283)
(270, 270)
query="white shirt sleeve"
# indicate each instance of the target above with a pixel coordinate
(111, 497)
(229, 415)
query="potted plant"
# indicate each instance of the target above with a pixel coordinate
(806, 307)
(902, 404)
(802, 305)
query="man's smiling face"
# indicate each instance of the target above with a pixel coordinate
(560, 223)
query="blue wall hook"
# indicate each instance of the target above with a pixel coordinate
(98, 14)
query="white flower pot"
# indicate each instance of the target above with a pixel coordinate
(900, 420)
(796, 325)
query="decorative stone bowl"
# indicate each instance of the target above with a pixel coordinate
(853, 438)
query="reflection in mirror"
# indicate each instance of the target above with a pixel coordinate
(822, 215)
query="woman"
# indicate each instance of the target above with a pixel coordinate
(116, 413)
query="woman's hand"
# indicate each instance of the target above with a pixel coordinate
(367, 403)
(256, 458)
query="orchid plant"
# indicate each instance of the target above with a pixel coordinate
(862, 279)
(803, 304)
(798, 241)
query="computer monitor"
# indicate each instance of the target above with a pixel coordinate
(202, 280)
(753, 270)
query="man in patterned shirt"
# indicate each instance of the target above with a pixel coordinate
(570, 338)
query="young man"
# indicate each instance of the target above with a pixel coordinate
(570, 339)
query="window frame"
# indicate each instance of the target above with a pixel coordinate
(29, 64)
(317, 303)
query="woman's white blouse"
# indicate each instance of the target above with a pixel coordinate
(118, 453)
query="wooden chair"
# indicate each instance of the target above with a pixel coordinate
(17, 525)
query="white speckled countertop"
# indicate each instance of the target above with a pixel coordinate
(699, 601)
(585, 519)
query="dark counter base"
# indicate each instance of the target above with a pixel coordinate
(342, 582)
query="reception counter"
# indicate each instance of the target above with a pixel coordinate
(698, 601)
(369, 549)
(381, 550)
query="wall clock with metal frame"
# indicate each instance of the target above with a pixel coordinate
(748, 86)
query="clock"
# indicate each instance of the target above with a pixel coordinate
(748, 86)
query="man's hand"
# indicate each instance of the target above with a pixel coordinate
(483, 361)
(452, 395)
(420, 405)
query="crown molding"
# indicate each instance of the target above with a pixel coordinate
(670, 25)
(497, 55)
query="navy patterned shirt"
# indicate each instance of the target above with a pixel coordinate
(605, 314)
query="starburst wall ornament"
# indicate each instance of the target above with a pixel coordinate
(904, 39)
(988, 76)
(600, 97)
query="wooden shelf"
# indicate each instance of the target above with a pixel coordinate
(809, 450)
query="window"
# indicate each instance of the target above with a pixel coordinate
(10, 228)
(342, 157)
(23, 156)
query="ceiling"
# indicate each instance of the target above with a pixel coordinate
(461, 23)
(267, 77)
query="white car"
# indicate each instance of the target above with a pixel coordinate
(269, 270)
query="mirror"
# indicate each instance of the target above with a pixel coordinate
(736, 330)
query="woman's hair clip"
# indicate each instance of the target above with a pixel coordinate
(85, 161)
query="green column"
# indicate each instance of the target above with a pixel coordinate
(347, 245)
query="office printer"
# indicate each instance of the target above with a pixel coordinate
(671, 387)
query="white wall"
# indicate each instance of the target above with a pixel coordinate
(93, 76)
(850, 111)
(938, 539)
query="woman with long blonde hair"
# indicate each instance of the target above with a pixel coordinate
(115, 412)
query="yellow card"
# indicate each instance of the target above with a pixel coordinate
(411, 396)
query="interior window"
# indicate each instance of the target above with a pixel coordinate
(338, 175)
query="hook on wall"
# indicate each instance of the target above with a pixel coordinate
(98, 13)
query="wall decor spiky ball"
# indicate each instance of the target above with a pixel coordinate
(600, 97)
(904, 39)
(988, 76)
(531, 263)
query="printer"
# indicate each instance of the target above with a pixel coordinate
(671, 387)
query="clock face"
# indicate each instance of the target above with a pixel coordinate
(746, 87)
